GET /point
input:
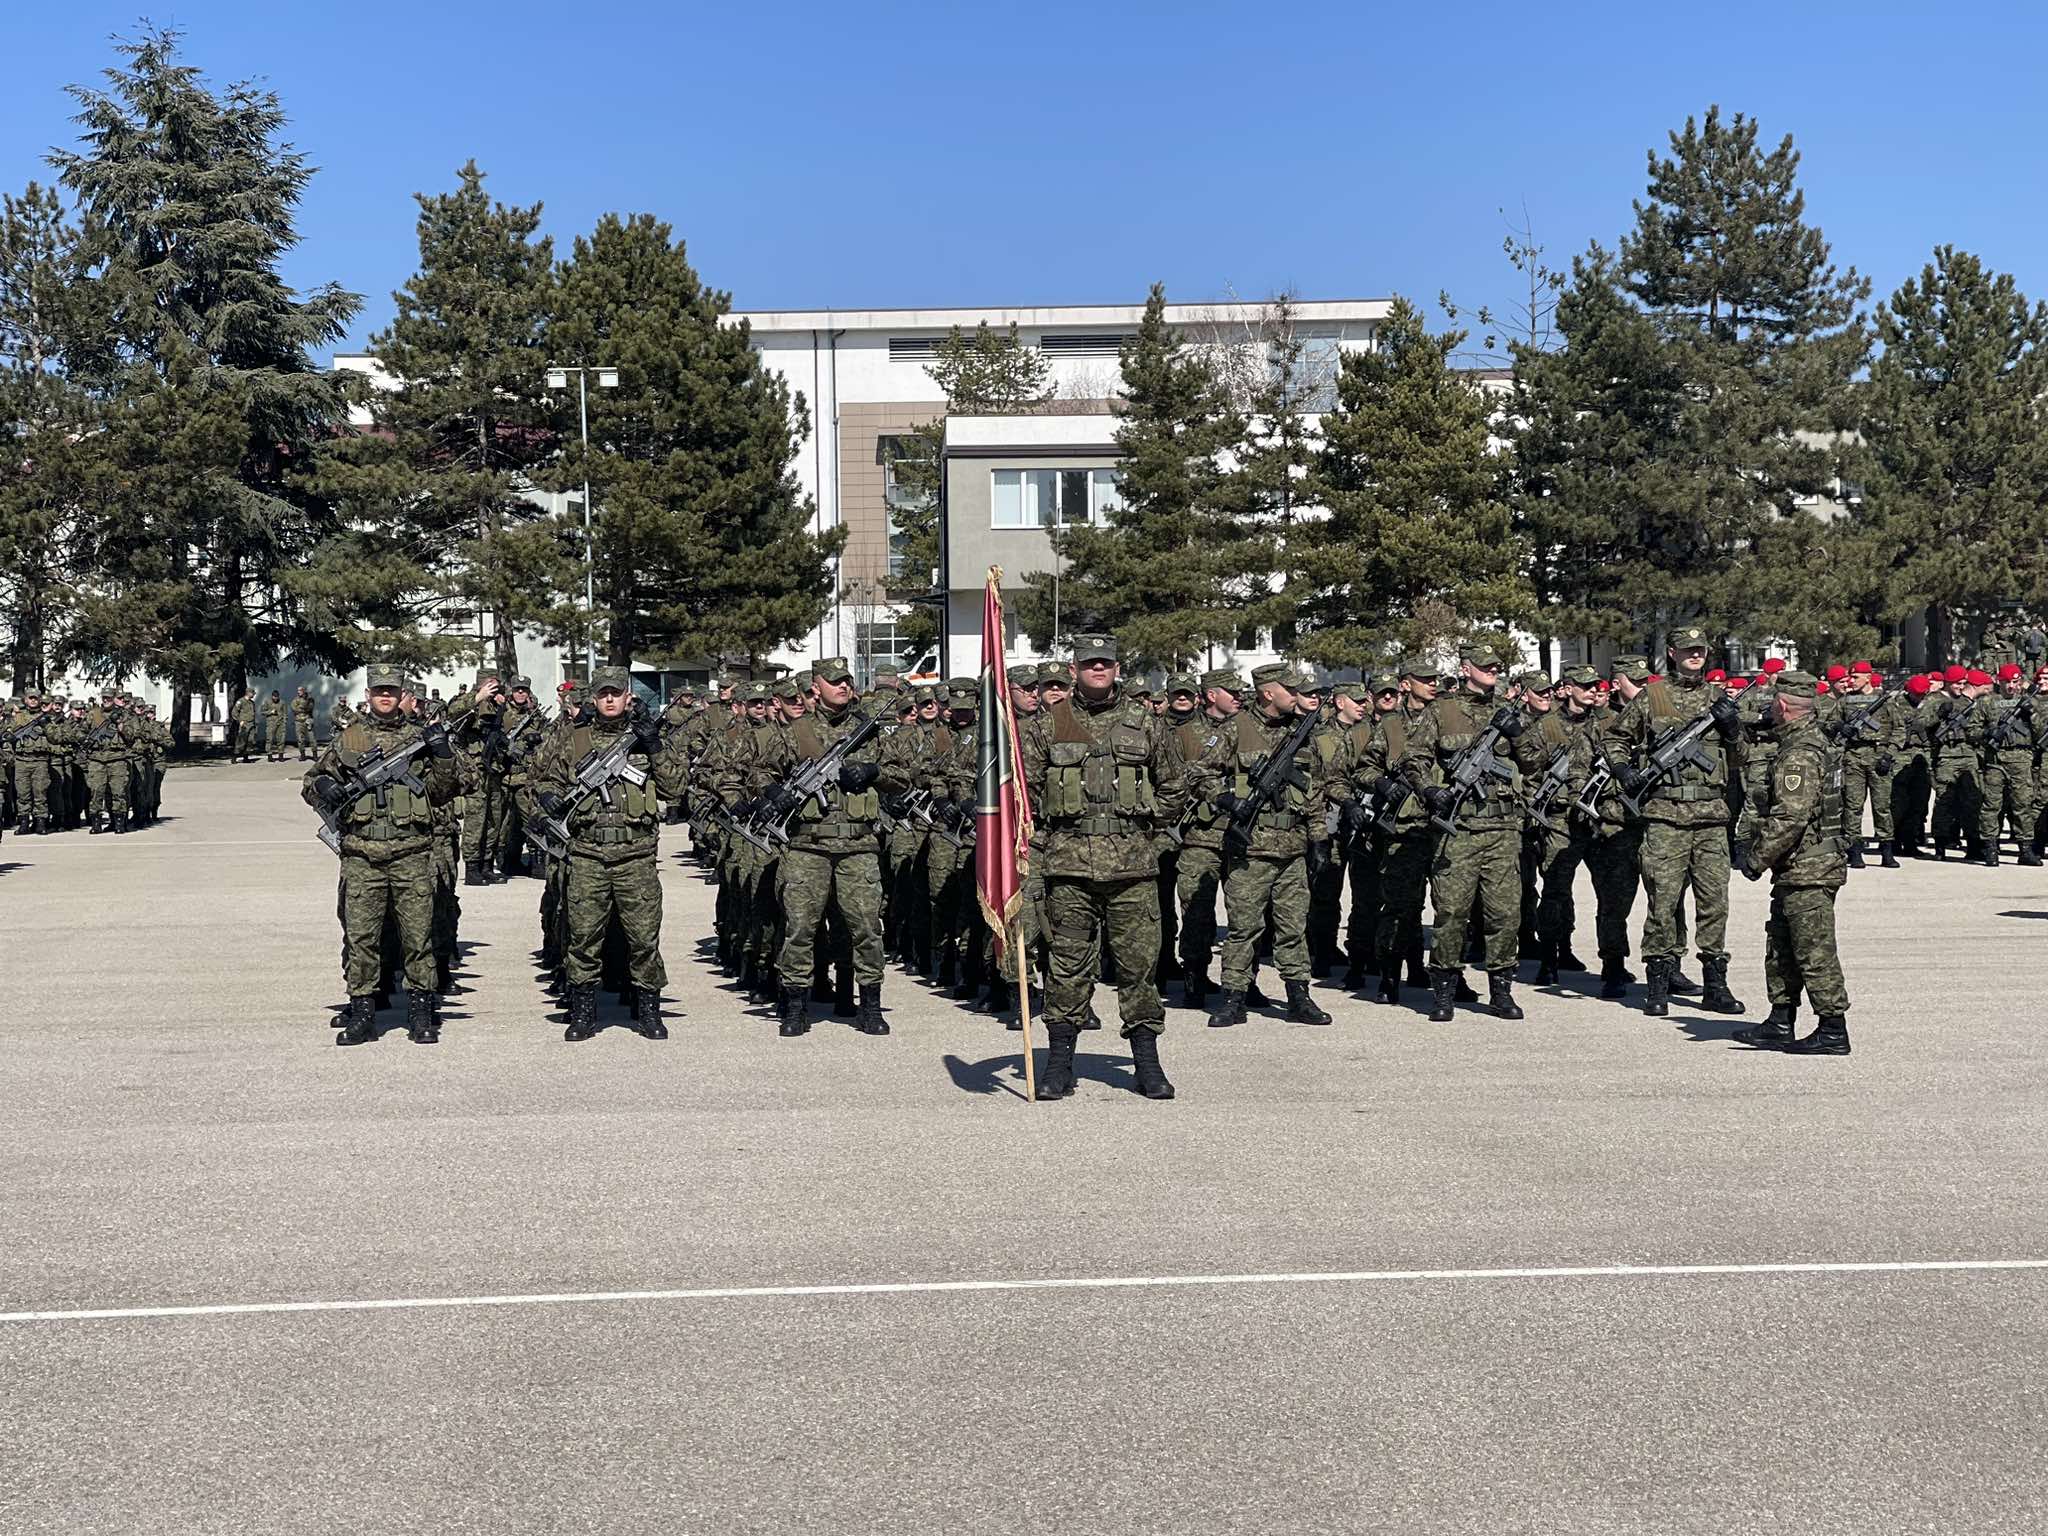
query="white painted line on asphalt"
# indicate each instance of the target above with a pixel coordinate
(1094, 1283)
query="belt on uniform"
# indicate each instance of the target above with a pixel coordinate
(1691, 794)
(1098, 826)
(613, 836)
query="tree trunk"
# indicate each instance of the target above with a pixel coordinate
(181, 719)
(1941, 634)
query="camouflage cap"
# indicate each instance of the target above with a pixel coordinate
(1581, 676)
(383, 675)
(1222, 677)
(787, 689)
(1419, 667)
(1687, 637)
(484, 675)
(1800, 687)
(1182, 682)
(1385, 682)
(1533, 680)
(1055, 672)
(802, 681)
(1633, 667)
(751, 693)
(962, 694)
(1275, 672)
(928, 693)
(1358, 693)
(830, 669)
(888, 679)
(1024, 676)
(1094, 648)
(517, 683)
(888, 669)
(1480, 653)
(616, 678)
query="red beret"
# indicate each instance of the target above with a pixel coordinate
(1716, 675)
(1977, 679)
(1836, 673)
(1954, 674)
(1916, 685)
(1654, 677)
(1738, 683)
(1821, 686)
(2008, 672)
(1773, 665)
(1861, 666)
(1602, 684)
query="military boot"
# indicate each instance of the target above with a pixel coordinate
(1772, 1032)
(121, 825)
(1354, 972)
(1988, 858)
(473, 874)
(1145, 1062)
(1464, 993)
(998, 994)
(582, 1013)
(647, 1015)
(869, 1020)
(1500, 988)
(99, 825)
(1856, 854)
(1390, 987)
(1231, 1010)
(1566, 960)
(1443, 994)
(842, 994)
(1829, 1038)
(1887, 856)
(1613, 977)
(2028, 857)
(1546, 969)
(1056, 1077)
(1301, 1007)
(361, 1028)
(1680, 984)
(422, 1024)
(794, 1011)
(1658, 1004)
(1196, 986)
(1717, 998)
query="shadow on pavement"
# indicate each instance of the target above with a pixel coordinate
(2017, 912)
(987, 1077)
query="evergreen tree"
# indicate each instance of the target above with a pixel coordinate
(446, 468)
(213, 401)
(1416, 549)
(1958, 503)
(703, 544)
(1153, 575)
(1270, 486)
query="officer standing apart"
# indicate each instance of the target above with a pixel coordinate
(1105, 776)
(1801, 838)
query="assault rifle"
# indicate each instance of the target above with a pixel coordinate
(811, 781)
(1949, 728)
(595, 775)
(374, 775)
(1849, 729)
(917, 805)
(1557, 777)
(1477, 769)
(1275, 772)
(1680, 747)
(502, 748)
(2000, 736)
(1392, 793)
(1603, 778)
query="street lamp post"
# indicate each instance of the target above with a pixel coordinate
(607, 378)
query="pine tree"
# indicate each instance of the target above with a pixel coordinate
(1153, 574)
(703, 543)
(1270, 486)
(213, 402)
(446, 468)
(1958, 495)
(1416, 549)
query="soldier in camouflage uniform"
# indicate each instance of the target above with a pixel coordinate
(1402, 831)
(1955, 740)
(1481, 859)
(1330, 750)
(2008, 771)
(478, 712)
(110, 737)
(29, 736)
(748, 917)
(1558, 734)
(302, 723)
(831, 860)
(244, 717)
(1377, 696)
(1615, 837)
(1686, 819)
(1198, 871)
(1105, 779)
(1799, 837)
(386, 856)
(1288, 839)
(949, 774)
(273, 727)
(1869, 720)
(614, 838)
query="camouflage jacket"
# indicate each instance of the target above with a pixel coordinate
(623, 824)
(1296, 816)
(1441, 733)
(1105, 779)
(844, 823)
(1799, 834)
(396, 822)
(1695, 797)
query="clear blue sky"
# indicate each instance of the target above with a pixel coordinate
(851, 155)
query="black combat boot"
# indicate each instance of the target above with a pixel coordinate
(1443, 995)
(869, 1020)
(1856, 854)
(1989, 857)
(1464, 994)
(1566, 960)
(1056, 1077)
(794, 1010)
(1390, 987)
(582, 1013)
(422, 1023)
(647, 1015)
(1231, 1010)
(121, 825)
(1145, 1062)
(1300, 1006)
(1887, 856)
(2028, 856)
(1546, 969)
(1717, 998)
(1500, 987)
(99, 825)
(1658, 1004)
(361, 1028)
(1196, 986)
(998, 994)
(1354, 972)
(1614, 977)
(473, 874)
(842, 994)
(1830, 1038)
(1681, 985)
(1253, 997)
(1773, 1032)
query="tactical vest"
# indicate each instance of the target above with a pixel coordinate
(842, 815)
(1282, 813)
(394, 813)
(103, 736)
(1099, 786)
(635, 808)
(1195, 736)
(1692, 783)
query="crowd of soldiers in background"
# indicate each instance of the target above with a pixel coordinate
(72, 763)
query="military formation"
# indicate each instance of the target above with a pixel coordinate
(67, 764)
(1372, 836)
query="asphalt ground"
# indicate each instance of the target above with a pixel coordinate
(179, 1133)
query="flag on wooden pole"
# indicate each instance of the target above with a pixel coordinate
(1002, 809)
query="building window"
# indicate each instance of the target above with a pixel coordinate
(906, 484)
(1051, 498)
(875, 643)
(1314, 381)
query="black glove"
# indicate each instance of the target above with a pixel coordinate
(1318, 856)
(1948, 707)
(776, 799)
(1886, 763)
(1727, 717)
(549, 802)
(326, 789)
(1386, 789)
(1743, 866)
(1227, 803)
(1630, 781)
(435, 735)
(1436, 799)
(855, 777)
(1508, 721)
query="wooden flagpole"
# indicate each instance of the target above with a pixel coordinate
(1023, 961)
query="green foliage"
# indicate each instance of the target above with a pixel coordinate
(703, 541)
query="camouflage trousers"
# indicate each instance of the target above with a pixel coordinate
(1558, 856)
(1958, 799)
(1362, 869)
(909, 905)
(275, 737)
(2009, 794)
(1126, 915)
(949, 882)
(1325, 904)
(1614, 860)
(1404, 881)
(1677, 858)
(1860, 782)
(1030, 924)
(594, 893)
(1197, 882)
(1799, 949)
(483, 823)
(32, 786)
(1482, 864)
(1250, 886)
(813, 882)
(401, 889)
(106, 787)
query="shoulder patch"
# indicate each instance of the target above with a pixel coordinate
(1793, 779)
